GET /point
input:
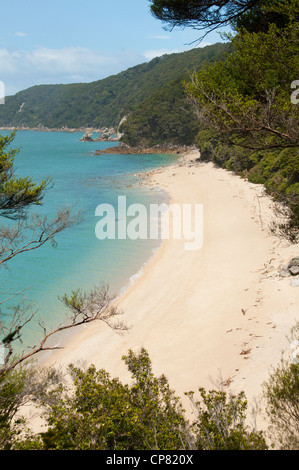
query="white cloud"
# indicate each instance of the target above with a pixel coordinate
(21, 35)
(204, 44)
(79, 60)
(152, 53)
(20, 69)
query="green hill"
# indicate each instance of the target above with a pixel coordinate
(106, 102)
(167, 116)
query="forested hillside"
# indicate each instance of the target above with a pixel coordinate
(167, 116)
(104, 102)
(248, 107)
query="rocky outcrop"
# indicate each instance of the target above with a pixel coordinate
(162, 148)
(87, 137)
(291, 269)
(106, 135)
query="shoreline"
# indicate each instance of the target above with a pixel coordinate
(125, 149)
(51, 129)
(220, 313)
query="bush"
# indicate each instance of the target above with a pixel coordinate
(220, 423)
(282, 396)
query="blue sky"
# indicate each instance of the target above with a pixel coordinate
(69, 41)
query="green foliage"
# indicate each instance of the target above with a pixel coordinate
(104, 414)
(249, 123)
(16, 194)
(167, 116)
(277, 170)
(282, 395)
(11, 389)
(97, 412)
(220, 423)
(18, 387)
(201, 14)
(100, 103)
(260, 16)
(93, 411)
(246, 98)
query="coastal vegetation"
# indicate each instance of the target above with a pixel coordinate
(246, 105)
(167, 116)
(104, 103)
(244, 121)
(16, 194)
(23, 230)
(236, 100)
(92, 411)
(88, 410)
(202, 15)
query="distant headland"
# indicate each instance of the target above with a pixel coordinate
(104, 131)
(123, 148)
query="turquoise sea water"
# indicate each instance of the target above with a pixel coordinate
(80, 260)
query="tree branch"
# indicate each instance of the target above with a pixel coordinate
(47, 231)
(85, 308)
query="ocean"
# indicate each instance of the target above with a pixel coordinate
(80, 259)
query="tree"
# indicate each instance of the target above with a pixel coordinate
(100, 413)
(84, 308)
(18, 388)
(249, 122)
(30, 232)
(260, 17)
(16, 194)
(21, 382)
(281, 392)
(201, 14)
(220, 422)
(246, 98)
(90, 410)
(96, 412)
(26, 232)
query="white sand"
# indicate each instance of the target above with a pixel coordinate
(197, 311)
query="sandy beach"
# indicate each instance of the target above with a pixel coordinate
(218, 313)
